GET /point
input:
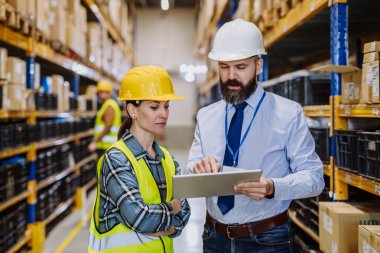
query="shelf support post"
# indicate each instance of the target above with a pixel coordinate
(339, 56)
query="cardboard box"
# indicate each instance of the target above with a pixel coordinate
(351, 81)
(58, 25)
(3, 63)
(370, 82)
(16, 97)
(373, 46)
(42, 16)
(16, 71)
(3, 95)
(20, 6)
(369, 239)
(57, 84)
(369, 57)
(338, 224)
(37, 76)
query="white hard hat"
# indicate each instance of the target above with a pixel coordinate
(237, 40)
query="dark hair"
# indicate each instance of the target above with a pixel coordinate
(128, 121)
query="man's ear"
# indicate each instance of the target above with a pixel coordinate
(259, 66)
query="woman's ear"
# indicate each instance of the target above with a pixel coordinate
(131, 110)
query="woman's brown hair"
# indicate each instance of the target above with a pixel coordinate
(128, 121)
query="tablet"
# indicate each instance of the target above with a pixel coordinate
(211, 184)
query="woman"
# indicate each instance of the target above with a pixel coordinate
(134, 210)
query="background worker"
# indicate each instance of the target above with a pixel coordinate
(252, 129)
(134, 210)
(108, 119)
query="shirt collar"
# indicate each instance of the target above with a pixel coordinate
(254, 99)
(137, 150)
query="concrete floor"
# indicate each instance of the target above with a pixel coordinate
(190, 240)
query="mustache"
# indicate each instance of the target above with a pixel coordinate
(233, 82)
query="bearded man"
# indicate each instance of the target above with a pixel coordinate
(252, 129)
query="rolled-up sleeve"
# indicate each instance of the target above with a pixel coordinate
(306, 179)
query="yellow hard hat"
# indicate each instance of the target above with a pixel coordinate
(104, 85)
(147, 83)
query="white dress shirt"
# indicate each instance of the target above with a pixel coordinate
(279, 143)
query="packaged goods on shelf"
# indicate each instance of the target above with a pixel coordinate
(37, 76)
(3, 63)
(338, 224)
(82, 103)
(57, 84)
(13, 177)
(13, 224)
(16, 71)
(125, 27)
(58, 25)
(94, 48)
(16, 97)
(20, 6)
(4, 104)
(370, 57)
(346, 150)
(370, 82)
(114, 10)
(106, 50)
(31, 10)
(373, 46)
(369, 239)
(76, 40)
(42, 16)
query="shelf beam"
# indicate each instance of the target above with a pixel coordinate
(293, 217)
(60, 209)
(27, 237)
(317, 111)
(359, 111)
(361, 182)
(14, 200)
(294, 18)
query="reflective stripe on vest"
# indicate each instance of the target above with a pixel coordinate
(121, 238)
(111, 136)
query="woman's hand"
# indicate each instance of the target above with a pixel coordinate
(176, 205)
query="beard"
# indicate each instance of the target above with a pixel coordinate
(240, 95)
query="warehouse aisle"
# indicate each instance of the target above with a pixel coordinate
(189, 242)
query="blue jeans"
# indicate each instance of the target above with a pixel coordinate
(277, 240)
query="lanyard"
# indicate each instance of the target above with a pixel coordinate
(234, 154)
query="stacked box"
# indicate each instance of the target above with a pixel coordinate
(42, 16)
(338, 224)
(57, 21)
(94, 48)
(3, 63)
(370, 76)
(16, 71)
(114, 10)
(369, 239)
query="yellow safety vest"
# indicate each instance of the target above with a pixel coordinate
(111, 136)
(122, 239)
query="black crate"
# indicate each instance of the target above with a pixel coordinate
(322, 143)
(6, 136)
(346, 150)
(40, 100)
(368, 154)
(310, 90)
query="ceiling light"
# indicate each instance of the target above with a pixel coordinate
(165, 5)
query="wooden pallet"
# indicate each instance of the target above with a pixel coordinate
(58, 46)
(14, 20)
(40, 37)
(286, 5)
(268, 19)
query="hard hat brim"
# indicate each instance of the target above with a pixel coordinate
(228, 56)
(155, 98)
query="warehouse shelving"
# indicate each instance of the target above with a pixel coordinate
(359, 111)
(59, 210)
(14, 200)
(327, 170)
(32, 47)
(358, 181)
(105, 20)
(311, 233)
(317, 111)
(27, 237)
(297, 16)
(43, 144)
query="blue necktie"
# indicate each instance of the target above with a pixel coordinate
(226, 203)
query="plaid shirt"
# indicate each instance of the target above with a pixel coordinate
(120, 198)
